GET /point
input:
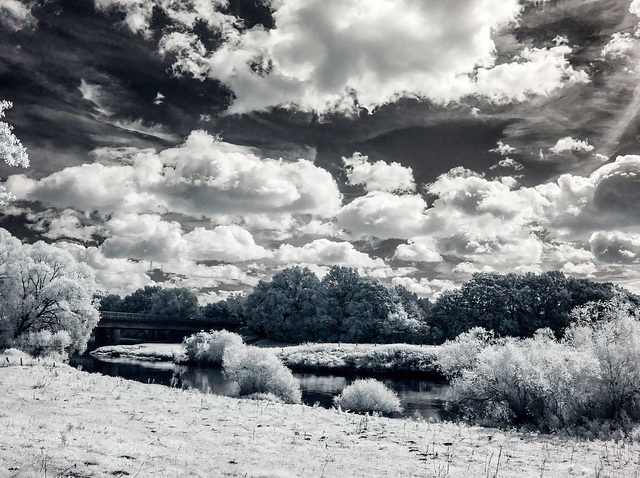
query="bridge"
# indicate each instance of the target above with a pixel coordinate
(111, 326)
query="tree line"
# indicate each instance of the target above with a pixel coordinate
(344, 306)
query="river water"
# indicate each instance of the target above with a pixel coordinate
(419, 398)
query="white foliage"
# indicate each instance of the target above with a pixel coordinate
(12, 151)
(259, 370)
(370, 395)
(43, 288)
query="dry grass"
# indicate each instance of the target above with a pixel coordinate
(60, 422)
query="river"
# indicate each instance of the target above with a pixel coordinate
(419, 398)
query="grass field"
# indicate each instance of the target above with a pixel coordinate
(61, 422)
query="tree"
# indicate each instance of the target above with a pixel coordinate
(338, 289)
(12, 152)
(111, 303)
(140, 301)
(513, 305)
(178, 303)
(43, 288)
(285, 308)
(344, 306)
(228, 310)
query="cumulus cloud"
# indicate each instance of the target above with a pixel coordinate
(96, 187)
(568, 256)
(619, 46)
(378, 176)
(203, 177)
(493, 224)
(211, 176)
(424, 287)
(334, 55)
(66, 225)
(323, 52)
(503, 149)
(468, 268)
(568, 144)
(224, 243)
(536, 71)
(617, 187)
(586, 269)
(109, 271)
(183, 14)
(176, 272)
(616, 247)
(325, 252)
(149, 237)
(508, 163)
(15, 14)
(419, 249)
(202, 277)
(384, 215)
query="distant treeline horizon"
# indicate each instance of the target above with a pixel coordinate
(344, 306)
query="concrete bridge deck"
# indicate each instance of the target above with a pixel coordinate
(108, 330)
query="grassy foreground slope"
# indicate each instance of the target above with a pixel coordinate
(60, 422)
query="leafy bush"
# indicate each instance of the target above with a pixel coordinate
(460, 354)
(44, 343)
(369, 395)
(610, 332)
(589, 381)
(208, 348)
(536, 381)
(258, 370)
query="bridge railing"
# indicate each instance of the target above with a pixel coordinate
(130, 316)
(108, 315)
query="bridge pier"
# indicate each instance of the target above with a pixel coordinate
(115, 337)
(107, 337)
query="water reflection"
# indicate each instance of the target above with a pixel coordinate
(420, 397)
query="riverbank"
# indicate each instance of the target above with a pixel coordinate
(355, 359)
(58, 421)
(362, 359)
(151, 352)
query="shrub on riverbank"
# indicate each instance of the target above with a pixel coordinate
(207, 348)
(589, 381)
(43, 343)
(370, 395)
(258, 370)
(460, 354)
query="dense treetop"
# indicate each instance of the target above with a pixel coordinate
(297, 306)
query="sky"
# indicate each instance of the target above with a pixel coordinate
(208, 144)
